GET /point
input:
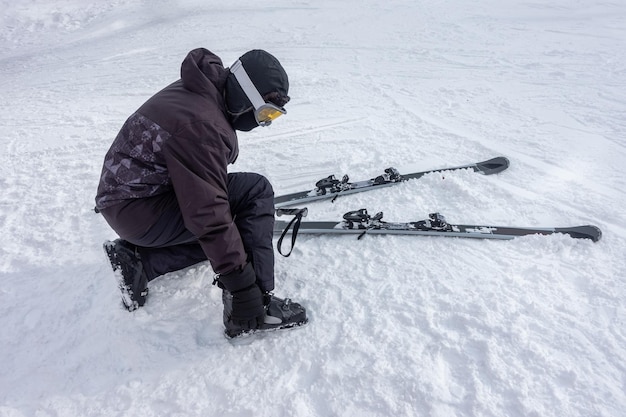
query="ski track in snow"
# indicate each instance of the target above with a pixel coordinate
(398, 325)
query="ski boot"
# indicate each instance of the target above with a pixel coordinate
(129, 273)
(279, 314)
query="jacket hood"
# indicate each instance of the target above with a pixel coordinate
(202, 71)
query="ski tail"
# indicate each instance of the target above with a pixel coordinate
(492, 166)
(581, 232)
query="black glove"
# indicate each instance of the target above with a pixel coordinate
(246, 310)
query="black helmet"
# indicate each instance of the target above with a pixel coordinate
(270, 80)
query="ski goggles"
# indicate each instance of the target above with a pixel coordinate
(264, 113)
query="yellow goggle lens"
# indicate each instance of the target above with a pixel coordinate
(268, 114)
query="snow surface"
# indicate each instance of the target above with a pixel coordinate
(400, 326)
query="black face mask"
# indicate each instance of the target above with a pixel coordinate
(238, 107)
(244, 121)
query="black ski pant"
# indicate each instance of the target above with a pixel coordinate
(168, 246)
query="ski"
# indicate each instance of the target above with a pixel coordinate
(361, 223)
(331, 187)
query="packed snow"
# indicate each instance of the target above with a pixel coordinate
(399, 325)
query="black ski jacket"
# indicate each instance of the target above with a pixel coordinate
(179, 141)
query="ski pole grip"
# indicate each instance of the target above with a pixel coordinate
(300, 212)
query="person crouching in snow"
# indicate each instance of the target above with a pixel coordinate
(165, 189)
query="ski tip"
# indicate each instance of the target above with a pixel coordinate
(583, 232)
(493, 165)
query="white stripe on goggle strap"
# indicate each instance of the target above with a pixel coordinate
(246, 85)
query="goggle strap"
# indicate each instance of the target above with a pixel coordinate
(247, 85)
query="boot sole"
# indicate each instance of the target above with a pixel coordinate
(125, 289)
(251, 333)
